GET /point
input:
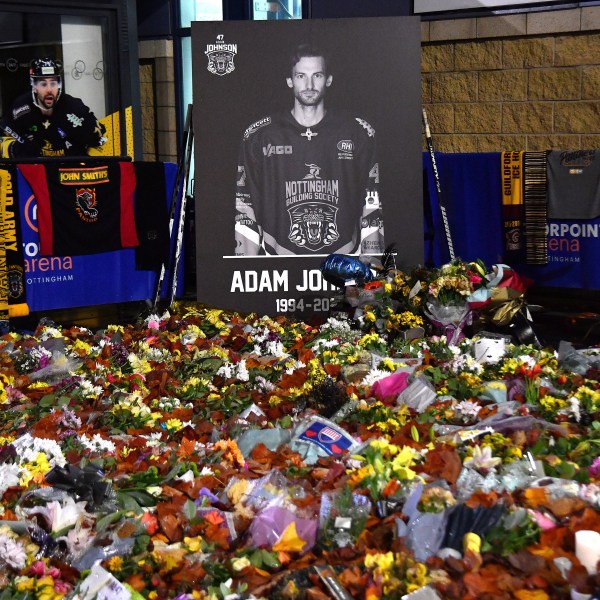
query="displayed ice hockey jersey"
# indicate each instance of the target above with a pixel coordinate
(83, 209)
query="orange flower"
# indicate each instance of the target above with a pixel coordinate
(231, 451)
(373, 285)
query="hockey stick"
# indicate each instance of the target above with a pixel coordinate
(182, 212)
(438, 185)
(173, 208)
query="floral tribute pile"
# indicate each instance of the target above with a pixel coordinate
(395, 450)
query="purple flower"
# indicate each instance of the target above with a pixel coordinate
(594, 469)
(205, 493)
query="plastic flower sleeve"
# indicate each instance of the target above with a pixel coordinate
(271, 438)
(392, 385)
(425, 530)
(449, 319)
(418, 395)
(269, 525)
(342, 517)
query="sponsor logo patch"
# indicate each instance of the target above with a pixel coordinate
(255, 126)
(269, 150)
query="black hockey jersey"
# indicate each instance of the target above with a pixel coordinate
(308, 190)
(83, 210)
(69, 131)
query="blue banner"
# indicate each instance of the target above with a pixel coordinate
(472, 195)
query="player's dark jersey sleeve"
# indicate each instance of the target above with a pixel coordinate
(82, 127)
(248, 233)
(10, 132)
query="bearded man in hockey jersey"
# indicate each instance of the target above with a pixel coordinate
(47, 122)
(308, 178)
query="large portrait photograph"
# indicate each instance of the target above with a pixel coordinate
(307, 143)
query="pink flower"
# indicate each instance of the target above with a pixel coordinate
(38, 568)
(61, 587)
(594, 469)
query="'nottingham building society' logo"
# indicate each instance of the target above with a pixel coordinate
(220, 56)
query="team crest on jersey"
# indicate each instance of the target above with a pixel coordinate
(15, 282)
(85, 204)
(313, 225)
(220, 56)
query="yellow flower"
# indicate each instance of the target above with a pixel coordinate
(388, 364)
(36, 385)
(174, 425)
(35, 470)
(239, 564)
(193, 544)
(24, 584)
(237, 491)
(115, 564)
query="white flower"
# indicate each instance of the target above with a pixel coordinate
(226, 371)
(374, 375)
(264, 385)
(468, 408)
(188, 476)
(12, 552)
(276, 349)
(482, 460)
(60, 516)
(50, 332)
(78, 539)
(9, 477)
(242, 371)
(153, 439)
(28, 448)
(97, 443)
(89, 390)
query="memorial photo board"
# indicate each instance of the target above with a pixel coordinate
(274, 197)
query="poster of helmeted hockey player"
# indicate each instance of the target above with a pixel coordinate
(307, 143)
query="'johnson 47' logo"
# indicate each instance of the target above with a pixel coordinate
(85, 204)
(220, 56)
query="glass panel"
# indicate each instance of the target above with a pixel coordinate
(83, 62)
(76, 42)
(200, 10)
(186, 73)
(280, 9)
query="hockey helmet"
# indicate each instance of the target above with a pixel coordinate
(42, 68)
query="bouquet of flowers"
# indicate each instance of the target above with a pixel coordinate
(446, 296)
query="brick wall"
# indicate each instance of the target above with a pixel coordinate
(528, 81)
(157, 91)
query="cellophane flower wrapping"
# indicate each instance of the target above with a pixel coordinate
(449, 319)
